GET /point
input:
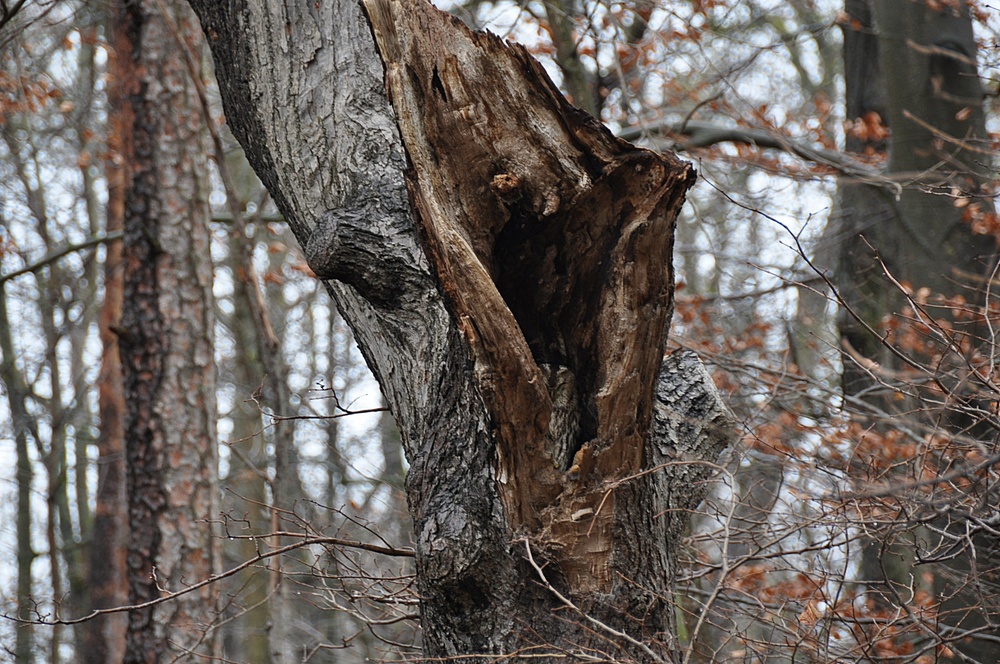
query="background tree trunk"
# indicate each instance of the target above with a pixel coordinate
(530, 277)
(17, 394)
(246, 499)
(912, 68)
(166, 341)
(105, 635)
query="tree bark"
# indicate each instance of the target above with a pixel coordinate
(166, 342)
(504, 263)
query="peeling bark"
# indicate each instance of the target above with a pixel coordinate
(505, 264)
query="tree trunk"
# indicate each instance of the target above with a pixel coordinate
(916, 75)
(935, 105)
(914, 68)
(166, 341)
(246, 497)
(863, 211)
(17, 396)
(939, 142)
(104, 636)
(505, 265)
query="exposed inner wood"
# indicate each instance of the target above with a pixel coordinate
(552, 240)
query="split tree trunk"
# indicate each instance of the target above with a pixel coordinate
(505, 264)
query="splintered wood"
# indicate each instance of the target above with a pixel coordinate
(552, 241)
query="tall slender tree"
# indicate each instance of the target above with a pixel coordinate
(166, 340)
(17, 395)
(104, 640)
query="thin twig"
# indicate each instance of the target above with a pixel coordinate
(113, 236)
(335, 541)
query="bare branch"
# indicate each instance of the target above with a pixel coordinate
(309, 541)
(114, 236)
(697, 134)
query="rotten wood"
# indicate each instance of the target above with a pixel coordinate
(552, 240)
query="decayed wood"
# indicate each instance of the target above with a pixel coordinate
(552, 239)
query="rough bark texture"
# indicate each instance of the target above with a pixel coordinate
(166, 347)
(530, 276)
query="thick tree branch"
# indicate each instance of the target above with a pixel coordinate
(692, 134)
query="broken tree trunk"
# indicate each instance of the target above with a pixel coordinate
(505, 263)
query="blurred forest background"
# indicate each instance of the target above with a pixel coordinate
(836, 267)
